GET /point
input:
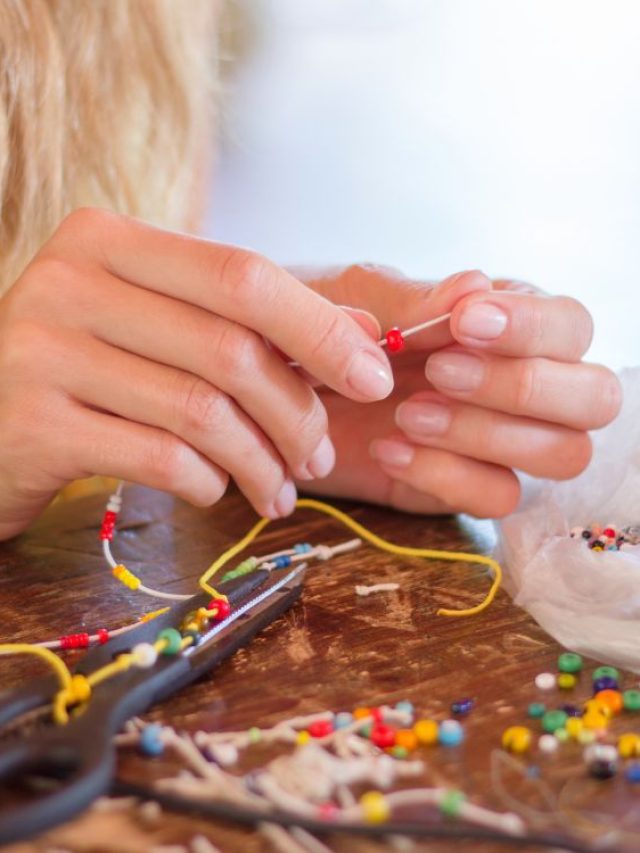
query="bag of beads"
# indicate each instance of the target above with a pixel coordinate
(571, 552)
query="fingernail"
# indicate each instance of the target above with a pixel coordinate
(482, 321)
(285, 502)
(323, 458)
(369, 376)
(424, 418)
(458, 371)
(398, 454)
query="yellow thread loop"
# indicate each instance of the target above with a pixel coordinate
(77, 692)
(126, 577)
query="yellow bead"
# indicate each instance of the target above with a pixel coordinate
(629, 745)
(597, 706)
(374, 807)
(426, 731)
(361, 713)
(586, 736)
(517, 739)
(303, 737)
(406, 738)
(574, 726)
(595, 720)
(566, 681)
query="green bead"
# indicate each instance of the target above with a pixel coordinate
(173, 640)
(553, 720)
(255, 735)
(631, 700)
(569, 662)
(451, 803)
(537, 709)
(365, 731)
(605, 672)
(400, 752)
(562, 735)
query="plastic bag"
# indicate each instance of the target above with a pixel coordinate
(587, 600)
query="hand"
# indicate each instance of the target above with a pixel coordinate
(504, 395)
(135, 353)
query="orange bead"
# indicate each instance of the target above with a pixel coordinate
(361, 713)
(611, 699)
(406, 738)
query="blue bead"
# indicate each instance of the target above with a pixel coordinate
(283, 561)
(462, 706)
(302, 548)
(450, 733)
(150, 742)
(571, 711)
(632, 773)
(342, 720)
(605, 683)
(405, 706)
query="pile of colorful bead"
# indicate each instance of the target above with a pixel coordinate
(585, 724)
(609, 537)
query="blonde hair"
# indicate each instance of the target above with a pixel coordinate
(102, 102)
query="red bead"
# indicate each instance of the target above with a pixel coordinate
(321, 728)
(395, 340)
(106, 534)
(110, 517)
(383, 736)
(74, 641)
(376, 714)
(221, 608)
(103, 635)
(609, 532)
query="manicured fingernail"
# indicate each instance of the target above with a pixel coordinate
(322, 459)
(391, 452)
(370, 377)
(286, 500)
(458, 371)
(424, 418)
(482, 321)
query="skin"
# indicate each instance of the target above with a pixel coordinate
(158, 358)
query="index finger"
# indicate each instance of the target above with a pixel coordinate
(241, 286)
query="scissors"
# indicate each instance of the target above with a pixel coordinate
(77, 760)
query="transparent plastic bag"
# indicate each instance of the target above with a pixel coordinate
(587, 600)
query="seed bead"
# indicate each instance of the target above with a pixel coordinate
(567, 681)
(374, 807)
(150, 742)
(569, 662)
(632, 773)
(172, 639)
(144, 655)
(631, 700)
(451, 803)
(611, 699)
(554, 720)
(406, 738)
(605, 672)
(426, 731)
(629, 745)
(517, 739)
(548, 744)
(450, 733)
(395, 340)
(536, 710)
(545, 681)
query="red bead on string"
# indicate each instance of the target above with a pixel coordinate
(221, 608)
(74, 641)
(395, 339)
(103, 635)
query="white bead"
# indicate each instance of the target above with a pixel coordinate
(600, 752)
(548, 743)
(144, 655)
(323, 552)
(545, 681)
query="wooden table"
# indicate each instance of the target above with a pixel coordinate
(333, 650)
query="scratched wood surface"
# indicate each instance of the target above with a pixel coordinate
(333, 650)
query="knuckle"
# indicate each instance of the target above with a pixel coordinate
(250, 276)
(49, 279)
(527, 386)
(325, 335)
(534, 328)
(21, 345)
(311, 425)
(203, 408)
(167, 461)
(239, 352)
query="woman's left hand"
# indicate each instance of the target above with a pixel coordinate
(505, 390)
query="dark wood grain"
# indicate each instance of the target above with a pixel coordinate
(332, 650)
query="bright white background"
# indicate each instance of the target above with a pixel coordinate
(438, 135)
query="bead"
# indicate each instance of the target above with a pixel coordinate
(220, 608)
(572, 711)
(395, 339)
(327, 811)
(450, 733)
(611, 699)
(605, 683)
(102, 635)
(320, 728)
(536, 709)
(573, 727)
(545, 681)
(548, 744)
(282, 562)
(594, 706)
(302, 548)
(609, 532)
(399, 751)
(172, 641)
(405, 707)
(144, 655)
(600, 752)
(361, 713)
(150, 742)
(553, 720)
(451, 803)
(595, 721)
(194, 634)
(255, 735)
(602, 769)
(75, 641)
(406, 738)
(566, 681)
(605, 672)
(517, 739)
(302, 738)
(374, 807)
(631, 700)
(426, 731)
(586, 533)
(462, 706)
(125, 577)
(629, 745)
(342, 720)
(586, 736)
(376, 714)
(561, 735)
(569, 662)
(365, 730)
(632, 773)
(383, 736)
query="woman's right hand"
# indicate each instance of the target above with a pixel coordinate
(136, 353)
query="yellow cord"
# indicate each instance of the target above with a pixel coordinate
(378, 542)
(57, 664)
